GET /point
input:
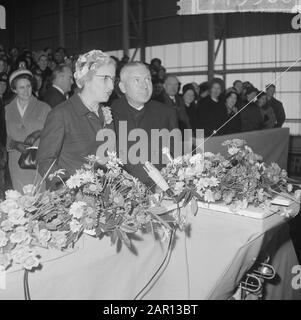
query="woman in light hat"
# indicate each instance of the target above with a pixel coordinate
(72, 130)
(25, 117)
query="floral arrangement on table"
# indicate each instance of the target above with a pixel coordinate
(111, 203)
(238, 180)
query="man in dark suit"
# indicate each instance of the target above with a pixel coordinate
(137, 111)
(171, 98)
(276, 105)
(71, 128)
(62, 80)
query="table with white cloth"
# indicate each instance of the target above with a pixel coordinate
(208, 262)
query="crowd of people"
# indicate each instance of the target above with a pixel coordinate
(37, 88)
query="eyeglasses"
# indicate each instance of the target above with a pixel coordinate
(107, 78)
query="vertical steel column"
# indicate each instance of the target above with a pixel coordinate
(142, 30)
(211, 37)
(225, 48)
(77, 26)
(61, 24)
(125, 28)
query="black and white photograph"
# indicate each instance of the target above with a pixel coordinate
(150, 150)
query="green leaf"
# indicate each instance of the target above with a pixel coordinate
(182, 195)
(168, 218)
(157, 210)
(114, 237)
(128, 229)
(123, 236)
(160, 220)
(188, 198)
(106, 195)
(194, 206)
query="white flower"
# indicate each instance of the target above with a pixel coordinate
(7, 225)
(208, 154)
(30, 261)
(17, 216)
(5, 260)
(27, 202)
(12, 194)
(87, 177)
(29, 189)
(233, 150)
(213, 182)
(75, 226)
(3, 239)
(44, 236)
(179, 186)
(107, 114)
(20, 235)
(93, 187)
(189, 172)
(209, 196)
(297, 194)
(59, 238)
(8, 205)
(77, 209)
(177, 161)
(74, 182)
(197, 158)
(20, 253)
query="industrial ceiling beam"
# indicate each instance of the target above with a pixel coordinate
(125, 28)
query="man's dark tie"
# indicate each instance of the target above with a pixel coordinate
(101, 117)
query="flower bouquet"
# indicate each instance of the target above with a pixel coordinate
(229, 184)
(107, 202)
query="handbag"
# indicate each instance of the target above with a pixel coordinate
(27, 159)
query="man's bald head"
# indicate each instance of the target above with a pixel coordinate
(128, 68)
(136, 83)
(171, 85)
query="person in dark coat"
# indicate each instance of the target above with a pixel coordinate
(71, 128)
(251, 116)
(62, 80)
(234, 125)
(190, 101)
(211, 113)
(139, 112)
(171, 98)
(276, 105)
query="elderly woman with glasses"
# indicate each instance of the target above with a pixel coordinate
(72, 128)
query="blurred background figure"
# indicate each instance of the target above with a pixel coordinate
(234, 125)
(268, 115)
(211, 112)
(251, 116)
(43, 69)
(171, 97)
(276, 105)
(189, 98)
(62, 80)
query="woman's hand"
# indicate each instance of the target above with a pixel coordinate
(32, 138)
(19, 146)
